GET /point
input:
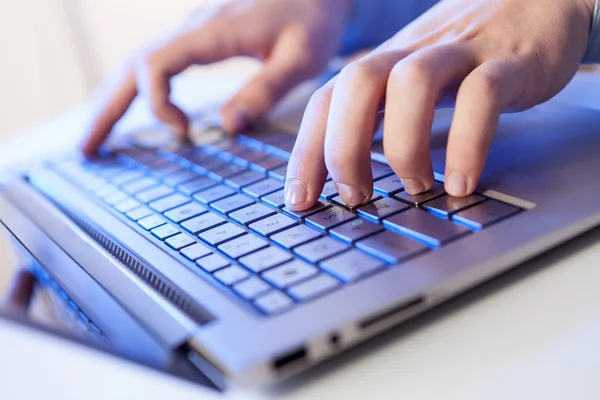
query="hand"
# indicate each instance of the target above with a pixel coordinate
(488, 56)
(20, 294)
(294, 38)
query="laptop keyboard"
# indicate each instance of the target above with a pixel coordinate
(221, 208)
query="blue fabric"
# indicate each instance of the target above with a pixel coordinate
(593, 50)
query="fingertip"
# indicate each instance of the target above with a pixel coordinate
(353, 196)
(457, 185)
(296, 195)
(235, 117)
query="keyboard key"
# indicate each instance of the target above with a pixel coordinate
(155, 193)
(279, 173)
(169, 202)
(241, 246)
(179, 177)
(105, 190)
(115, 197)
(290, 273)
(314, 287)
(263, 188)
(203, 163)
(355, 230)
(381, 209)
(249, 156)
(352, 265)
(151, 222)
(195, 251)
(244, 179)
(329, 191)
(213, 194)
(320, 249)
(275, 200)
(424, 227)
(251, 288)
(380, 170)
(165, 169)
(391, 247)
(139, 184)
(273, 224)
(485, 214)
(251, 214)
(225, 172)
(330, 217)
(419, 199)
(231, 275)
(232, 203)
(446, 205)
(265, 259)
(127, 205)
(179, 241)
(191, 187)
(339, 201)
(295, 236)
(273, 302)
(138, 213)
(320, 206)
(126, 176)
(269, 163)
(213, 262)
(164, 232)
(185, 212)
(202, 223)
(222, 234)
(389, 186)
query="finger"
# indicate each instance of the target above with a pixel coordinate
(21, 292)
(352, 121)
(286, 66)
(416, 85)
(482, 97)
(306, 171)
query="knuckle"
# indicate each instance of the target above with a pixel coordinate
(320, 99)
(488, 83)
(412, 72)
(358, 71)
(338, 160)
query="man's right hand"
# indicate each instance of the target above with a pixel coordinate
(294, 38)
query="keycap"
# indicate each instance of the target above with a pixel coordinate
(267, 164)
(231, 203)
(319, 206)
(330, 217)
(251, 288)
(213, 194)
(391, 247)
(248, 156)
(339, 201)
(446, 205)
(355, 230)
(165, 169)
(244, 179)
(165, 231)
(127, 205)
(115, 197)
(139, 185)
(252, 213)
(203, 163)
(126, 176)
(273, 224)
(389, 186)
(329, 191)
(169, 202)
(485, 214)
(151, 222)
(314, 287)
(203, 223)
(195, 251)
(290, 273)
(139, 213)
(424, 227)
(380, 170)
(225, 172)
(275, 200)
(222, 233)
(419, 199)
(179, 177)
(279, 173)
(295, 236)
(231, 275)
(352, 265)
(320, 249)
(263, 188)
(265, 259)
(243, 245)
(213, 262)
(155, 193)
(191, 187)
(105, 190)
(179, 241)
(380, 209)
(185, 212)
(273, 302)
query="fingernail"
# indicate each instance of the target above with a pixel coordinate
(295, 192)
(414, 186)
(352, 196)
(456, 184)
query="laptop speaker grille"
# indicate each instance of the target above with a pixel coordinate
(158, 283)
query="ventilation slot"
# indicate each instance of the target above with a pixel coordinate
(390, 315)
(159, 284)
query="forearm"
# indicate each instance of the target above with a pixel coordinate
(593, 52)
(371, 22)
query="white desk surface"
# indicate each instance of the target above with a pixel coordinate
(533, 334)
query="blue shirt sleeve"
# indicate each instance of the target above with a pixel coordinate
(593, 51)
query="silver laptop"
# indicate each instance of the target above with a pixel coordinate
(186, 254)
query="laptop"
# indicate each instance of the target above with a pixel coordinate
(185, 254)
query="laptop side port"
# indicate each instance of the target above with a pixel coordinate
(393, 315)
(295, 358)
